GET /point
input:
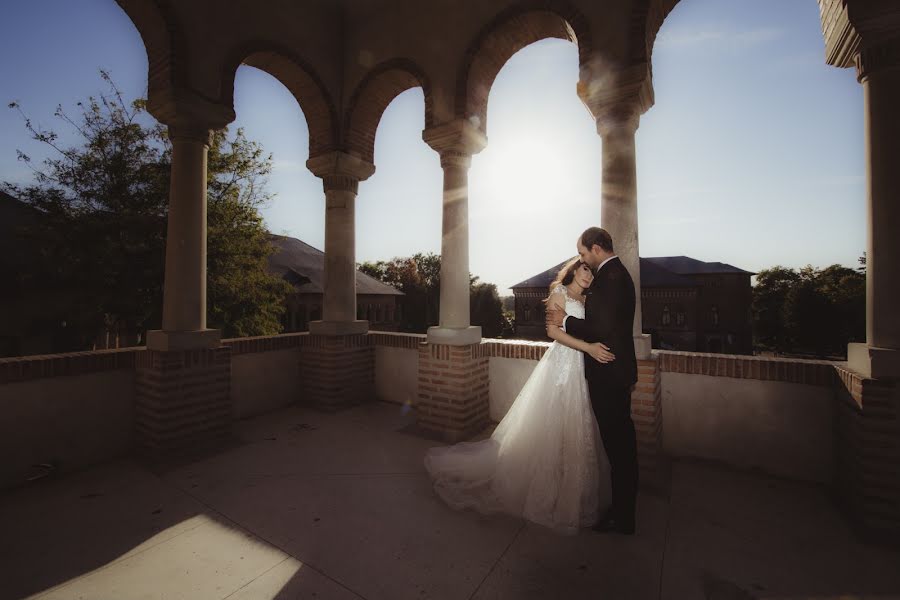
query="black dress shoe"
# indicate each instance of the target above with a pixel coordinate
(613, 525)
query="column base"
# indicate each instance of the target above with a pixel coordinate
(170, 341)
(182, 401)
(338, 327)
(646, 412)
(337, 371)
(642, 346)
(453, 401)
(452, 336)
(873, 363)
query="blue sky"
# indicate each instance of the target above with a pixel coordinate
(753, 154)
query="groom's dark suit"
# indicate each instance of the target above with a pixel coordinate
(609, 315)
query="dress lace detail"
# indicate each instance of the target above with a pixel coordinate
(544, 461)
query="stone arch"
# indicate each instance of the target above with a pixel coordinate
(372, 96)
(299, 78)
(516, 27)
(647, 17)
(163, 42)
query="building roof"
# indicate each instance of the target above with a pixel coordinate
(303, 266)
(663, 271)
(685, 265)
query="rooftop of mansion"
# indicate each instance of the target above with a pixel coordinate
(291, 466)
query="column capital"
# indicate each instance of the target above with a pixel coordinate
(609, 89)
(340, 171)
(877, 58)
(455, 139)
(184, 108)
(864, 34)
(191, 132)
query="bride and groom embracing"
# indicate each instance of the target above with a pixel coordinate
(566, 449)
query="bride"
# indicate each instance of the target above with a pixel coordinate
(544, 461)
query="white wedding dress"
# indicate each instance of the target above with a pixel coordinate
(544, 461)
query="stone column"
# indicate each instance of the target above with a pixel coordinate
(184, 290)
(618, 208)
(341, 174)
(879, 73)
(456, 142)
(183, 380)
(337, 362)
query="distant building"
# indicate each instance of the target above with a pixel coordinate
(303, 267)
(686, 304)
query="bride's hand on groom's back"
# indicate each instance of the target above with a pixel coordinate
(600, 353)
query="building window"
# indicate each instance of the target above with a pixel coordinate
(679, 318)
(527, 310)
(315, 314)
(714, 315)
(666, 315)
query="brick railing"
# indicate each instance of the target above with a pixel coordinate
(452, 393)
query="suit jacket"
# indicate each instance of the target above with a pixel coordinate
(609, 318)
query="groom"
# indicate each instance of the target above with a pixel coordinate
(609, 314)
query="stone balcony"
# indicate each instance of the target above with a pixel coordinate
(766, 478)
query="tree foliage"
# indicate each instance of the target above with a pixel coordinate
(814, 311)
(419, 278)
(104, 204)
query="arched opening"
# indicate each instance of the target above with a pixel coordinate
(373, 95)
(281, 106)
(536, 186)
(510, 31)
(398, 211)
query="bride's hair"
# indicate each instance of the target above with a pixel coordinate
(565, 275)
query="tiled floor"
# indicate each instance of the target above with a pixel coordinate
(312, 505)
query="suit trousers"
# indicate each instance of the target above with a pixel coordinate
(612, 407)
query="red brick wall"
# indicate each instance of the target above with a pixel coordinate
(336, 371)
(453, 399)
(182, 400)
(868, 452)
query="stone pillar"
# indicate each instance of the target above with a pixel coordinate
(879, 73)
(341, 174)
(618, 209)
(456, 142)
(184, 290)
(183, 380)
(337, 362)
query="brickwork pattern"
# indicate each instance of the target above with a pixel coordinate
(790, 370)
(268, 343)
(27, 368)
(646, 412)
(373, 95)
(182, 400)
(868, 452)
(453, 397)
(336, 371)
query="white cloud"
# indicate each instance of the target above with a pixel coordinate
(718, 36)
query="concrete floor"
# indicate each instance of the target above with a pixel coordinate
(311, 505)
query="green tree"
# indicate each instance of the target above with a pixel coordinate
(769, 296)
(103, 207)
(419, 278)
(813, 311)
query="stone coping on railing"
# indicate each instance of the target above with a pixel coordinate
(25, 368)
(809, 372)
(265, 343)
(739, 366)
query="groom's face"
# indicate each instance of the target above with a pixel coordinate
(588, 257)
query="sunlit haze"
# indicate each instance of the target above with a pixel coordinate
(752, 155)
